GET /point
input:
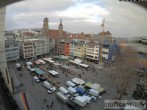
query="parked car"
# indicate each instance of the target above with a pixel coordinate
(36, 79)
(18, 66)
(46, 84)
(30, 68)
(51, 90)
(93, 98)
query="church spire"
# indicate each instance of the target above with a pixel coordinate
(60, 22)
(60, 28)
(45, 26)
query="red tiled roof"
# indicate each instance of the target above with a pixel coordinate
(28, 33)
(79, 36)
(55, 33)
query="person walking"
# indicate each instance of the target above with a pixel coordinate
(52, 103)
(47, 106)
(44, 100)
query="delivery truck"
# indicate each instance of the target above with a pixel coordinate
(70, 84)
(64, 92)
(93, 92)
(61, 97)
(88, 98)
(72, 91)
(79, 101)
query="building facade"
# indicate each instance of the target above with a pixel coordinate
(92, 51)
(78, 48)
(27, 49)
(33, 47)
(109, 50)
(63, 47)
(12, 50)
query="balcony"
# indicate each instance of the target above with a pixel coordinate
(105, 56)
(92, 58)
(105, 50)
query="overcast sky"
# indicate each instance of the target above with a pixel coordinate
(122, 19)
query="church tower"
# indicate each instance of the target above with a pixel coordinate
(60, 27)
(45, 26)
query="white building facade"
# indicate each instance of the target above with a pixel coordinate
(92, 52)
(33, 47)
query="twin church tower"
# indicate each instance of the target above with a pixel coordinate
(46, 31)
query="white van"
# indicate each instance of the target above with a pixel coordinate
(36, 79)
(46, 84)
(88, 98)
(18, 66)
(31, 69)
(70, 84)
(72, 91)
(64, 91)
(79, 100)
(93, 92)
(61, 97)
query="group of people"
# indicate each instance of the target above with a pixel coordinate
(49, 106)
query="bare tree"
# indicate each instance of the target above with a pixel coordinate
(123, 72)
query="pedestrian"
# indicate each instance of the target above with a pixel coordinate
(44, 100)
(20, 75)
(52, 103)
(96, 72)
(47, 106)
(83, 72)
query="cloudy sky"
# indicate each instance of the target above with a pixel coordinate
(122, 19)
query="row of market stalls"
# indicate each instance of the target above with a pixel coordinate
(33, 69)
(41, 63)
(79, 63)
(95, 86)
(76, 62)
(82, 86)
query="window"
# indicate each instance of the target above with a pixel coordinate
(7, 46)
